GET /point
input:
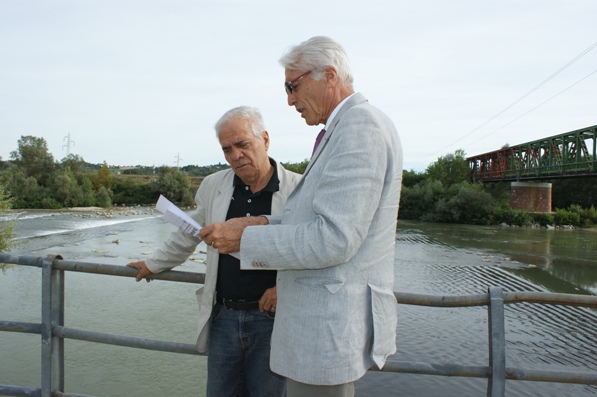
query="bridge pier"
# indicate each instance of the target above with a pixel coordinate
(530, 196)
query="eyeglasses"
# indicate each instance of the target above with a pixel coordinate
(291, 85)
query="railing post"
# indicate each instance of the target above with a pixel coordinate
(52, 313)
(496, 384)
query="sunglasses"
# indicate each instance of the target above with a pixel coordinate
(291, 85)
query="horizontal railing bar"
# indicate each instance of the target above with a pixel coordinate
(97, 268)
(127, 341)
(435, 369)
(483, 299)
(405, 298)
(21, 259)
(448, 369)
(19, 391)
(113, 270)
(551, 298)
(62, 394)
(557, 376)
(13, 326)
(442, 301)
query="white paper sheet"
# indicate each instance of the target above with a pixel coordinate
(179, 218)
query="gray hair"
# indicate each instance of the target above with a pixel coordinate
(243, 113)
(317, 53)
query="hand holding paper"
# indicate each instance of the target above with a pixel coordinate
(180, 219)
(227, 235)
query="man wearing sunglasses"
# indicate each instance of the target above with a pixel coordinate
(333, 245)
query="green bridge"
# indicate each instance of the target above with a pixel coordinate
(571, 154)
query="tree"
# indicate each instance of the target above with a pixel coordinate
(33, 157)
(581, 191)
(87, 192)
(6, 225)
(419, 200)
(75, 163)
(450, 169)
(299, 168)
(175, 185)
(104, 197)
(412, 178)
(129, 192)
(464, 203)
(66, 190)
(103, 178)
(24, 191)
(3, 164)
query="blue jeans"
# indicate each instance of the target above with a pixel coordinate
(238, 358)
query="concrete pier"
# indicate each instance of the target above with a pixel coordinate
(530, 196)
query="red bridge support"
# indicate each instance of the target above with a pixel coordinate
(530, 196)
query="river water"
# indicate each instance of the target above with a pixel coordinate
(434, 259)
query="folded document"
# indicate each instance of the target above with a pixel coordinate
(180, 219)
(177, 217)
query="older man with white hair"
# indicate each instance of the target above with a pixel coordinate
(236, 308)
(333, 245)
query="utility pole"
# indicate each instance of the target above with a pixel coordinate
(68, 142)
(177, 157)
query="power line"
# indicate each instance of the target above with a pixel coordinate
(541, 104)
(576, 58)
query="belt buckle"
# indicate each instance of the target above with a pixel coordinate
(229, 303)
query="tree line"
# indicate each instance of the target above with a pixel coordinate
(445, 193)
(442, 193)
(33, 179)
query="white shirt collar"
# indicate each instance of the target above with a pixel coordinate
(336, 110)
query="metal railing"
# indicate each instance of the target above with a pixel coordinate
(53, 330)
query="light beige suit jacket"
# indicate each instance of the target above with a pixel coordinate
(212, 199)
(333, 247)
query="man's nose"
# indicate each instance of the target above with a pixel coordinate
(291, 99)
(236, 154)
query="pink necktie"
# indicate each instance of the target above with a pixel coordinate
(318, 140)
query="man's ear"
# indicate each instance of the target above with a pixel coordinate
(265, 137)
(331, 76)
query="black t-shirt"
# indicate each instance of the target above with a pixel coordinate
(247, 285)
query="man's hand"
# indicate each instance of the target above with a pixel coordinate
(225, 237)
(143, 270)
(268, 300)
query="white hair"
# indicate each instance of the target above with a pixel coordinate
(317, 53)
(243, 113)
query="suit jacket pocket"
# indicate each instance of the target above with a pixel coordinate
(333, 285)
(383, 309)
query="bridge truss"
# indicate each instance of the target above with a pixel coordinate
(565, 155)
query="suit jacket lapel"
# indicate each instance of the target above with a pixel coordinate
(353, 101)
(222, 198)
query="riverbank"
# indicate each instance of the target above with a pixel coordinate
(114, 236)
(99, 212)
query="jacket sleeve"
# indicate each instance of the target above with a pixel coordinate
(180, 245)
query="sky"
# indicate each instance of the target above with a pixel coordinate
(142, 82)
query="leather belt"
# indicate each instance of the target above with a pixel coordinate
(237, 305)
